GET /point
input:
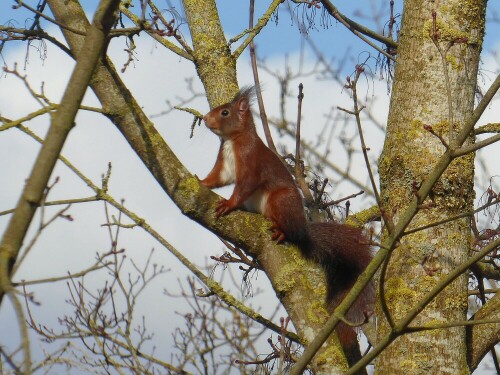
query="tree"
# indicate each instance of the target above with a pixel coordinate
(425, 203)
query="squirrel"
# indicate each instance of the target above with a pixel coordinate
(264, 185)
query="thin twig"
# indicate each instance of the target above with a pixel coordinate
(256, 30)
(155, 35)
(258, 91)
(311, 150)
(47, 18)
(25, 34)
(176, 35)
(435, 39)
(61, 125)
(445, 325)
(390, 243)
(59, 203)
(51, 280)
(456, 217)
(356, 28)
(299, 172)
(475, 146)
(211, 284)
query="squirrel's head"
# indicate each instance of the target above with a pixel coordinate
(232, 118)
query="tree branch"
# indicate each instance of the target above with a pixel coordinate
(253, 32)
(358, 29)
(186, 52)
(389, 244)
(481, 338)
(102, 195)
(62, 123)
(488, 128)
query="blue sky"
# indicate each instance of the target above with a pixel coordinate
(152, 83)
(282, 37)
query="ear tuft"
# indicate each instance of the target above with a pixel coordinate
(245, 95)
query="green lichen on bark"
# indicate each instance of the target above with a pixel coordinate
(214, 62)
(332, 357)
(428, 50)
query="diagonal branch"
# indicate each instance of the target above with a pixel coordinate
(391, 240)
(488, 128)
(101, 194)
(402, 324)
(62, 123)
(186, 52)
(481, 338)
(358, 29)
(253, 32)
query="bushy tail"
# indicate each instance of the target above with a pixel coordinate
(344, 253)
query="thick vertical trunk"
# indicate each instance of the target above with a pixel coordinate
(299, 283)
(434, 85)
(215, 65)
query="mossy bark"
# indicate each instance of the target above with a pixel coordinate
(434, 85)
(214, 63)
(298, 283)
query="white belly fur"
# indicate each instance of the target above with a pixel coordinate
(257, 202)
(228, 173)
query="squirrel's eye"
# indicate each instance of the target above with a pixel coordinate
(224, 112)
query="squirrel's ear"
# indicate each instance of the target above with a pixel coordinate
(243, 104)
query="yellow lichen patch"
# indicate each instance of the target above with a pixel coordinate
(187, 194)
(399, 296)
(432, 331)
(317, 312)
(333, 355)
(427, 282)
(468, 14)
(442, 127)
(288, 275)
(454, 62)
(408, 364)
(461, 22)
(456, 303)
(155, 138)
(359, 219)
(445, 32)
(416, 129)
(189, 185)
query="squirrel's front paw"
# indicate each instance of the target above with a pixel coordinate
(223, 208)
(204, 182)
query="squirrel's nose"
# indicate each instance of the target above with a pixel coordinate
(206, 120)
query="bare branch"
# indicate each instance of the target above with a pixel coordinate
(61, 125)
(358, 29)
(252, 33)
(156, 35)
(488, 128)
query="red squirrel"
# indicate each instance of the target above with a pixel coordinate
(264, 185)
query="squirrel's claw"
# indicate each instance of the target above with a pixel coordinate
(277, 234)
(223, 208)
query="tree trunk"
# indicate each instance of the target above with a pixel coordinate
(299, 284)
(215, 65)
(434, 85)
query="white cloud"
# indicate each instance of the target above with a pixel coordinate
(155, 77)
